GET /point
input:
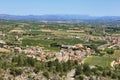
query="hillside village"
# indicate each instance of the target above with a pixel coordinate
(66, 52)
(30, 44)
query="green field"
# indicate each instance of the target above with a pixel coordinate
(103, 61)
(46, 43)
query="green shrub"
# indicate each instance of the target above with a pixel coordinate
(46, 74)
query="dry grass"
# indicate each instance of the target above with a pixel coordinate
(4, 50)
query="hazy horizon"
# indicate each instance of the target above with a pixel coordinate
(61, 7)
(58, 15)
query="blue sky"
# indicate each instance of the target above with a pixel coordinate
(42, 7)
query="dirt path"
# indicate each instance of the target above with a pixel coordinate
(112, 63)
(70, 75)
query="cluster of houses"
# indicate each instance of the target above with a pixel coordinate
(4, 47)
(112, 42)
(73, 54)
(67, 52)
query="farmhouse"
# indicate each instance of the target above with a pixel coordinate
(68, 47)
(2, 43)
(17, 50)
(102, 47)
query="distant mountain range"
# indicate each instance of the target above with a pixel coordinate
(56, 17)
